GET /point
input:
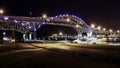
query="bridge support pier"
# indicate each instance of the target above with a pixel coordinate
(25, 37)
(79, 35)
(30, 36)
(89, 34)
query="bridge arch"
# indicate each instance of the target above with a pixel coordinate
(31, 24)
(68, 20)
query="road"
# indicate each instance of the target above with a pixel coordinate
(58, 55)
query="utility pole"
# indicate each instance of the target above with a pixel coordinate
(1, 29)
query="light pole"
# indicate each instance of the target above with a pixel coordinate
(78, 31)
(34, 28)
(34, 32)
(1, 29)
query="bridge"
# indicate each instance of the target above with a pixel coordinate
(29, 25)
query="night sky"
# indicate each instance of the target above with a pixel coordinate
(103, 13)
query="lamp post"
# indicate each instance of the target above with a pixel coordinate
(1, 29)
(34, 28)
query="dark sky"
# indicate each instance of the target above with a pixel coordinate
(104, 13)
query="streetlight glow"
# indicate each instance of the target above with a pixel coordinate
(104, 29)
(4, 33)
(60, 33)
(92, 25)
(77, 25)
(1, 11)
(118, 31)
(68, 20)
(44, 16)
(99, 28)
(110, 30)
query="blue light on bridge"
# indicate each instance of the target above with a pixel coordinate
(43, 23)
(29, 27)
(63, 14)
(56, 16)
(5, 18)
(48, 20)
(39, 26)
(34, 29)
(15, 21)
(23, 24)
(66, 14)
(60, 15)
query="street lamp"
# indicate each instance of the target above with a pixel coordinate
(99, 28)
(118, 31)
(44, 16)
(92, 25)
(104, 29)
(4, 33)
(60, 33)
(77, 25)
(68, 20)
(110, 30)
(1, 11)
